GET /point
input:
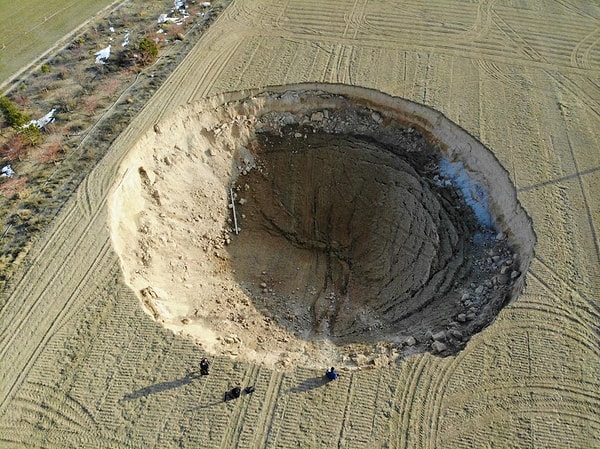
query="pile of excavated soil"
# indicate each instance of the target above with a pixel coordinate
(312, 228)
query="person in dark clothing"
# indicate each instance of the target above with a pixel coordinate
(204, 367)
(234, 393)
(332, 374)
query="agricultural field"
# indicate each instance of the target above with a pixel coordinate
(143, 268)
(33, 28)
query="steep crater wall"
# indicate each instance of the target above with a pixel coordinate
(317, 222)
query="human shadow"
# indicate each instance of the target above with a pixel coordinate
(162, 386)
(309, 384)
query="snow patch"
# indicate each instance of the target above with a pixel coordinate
(475, 195)
(46, 119)
(7, 172)
(126, 39)
(102, 55)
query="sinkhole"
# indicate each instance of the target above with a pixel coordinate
(318, 223)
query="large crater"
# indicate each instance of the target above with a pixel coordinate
(319, 224)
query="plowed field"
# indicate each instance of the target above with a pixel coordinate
(84, 365)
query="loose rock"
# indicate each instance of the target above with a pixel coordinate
(410, 341)
(439, 336)
(438, 346)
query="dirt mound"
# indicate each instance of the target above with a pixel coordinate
(306, 225)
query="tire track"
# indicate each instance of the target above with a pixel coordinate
(580, 56)
(509, 391)
(493, 70)
(363, 408)
(441, 385)
(45, 330)
(259, 414)
(235, 428)
(573, 8)
(213, 71)
(521, 43)
(581, 340)
(354, 18)
(47, 412)
(593, 307)
(406, 402)
(390, 28)
(20, 315)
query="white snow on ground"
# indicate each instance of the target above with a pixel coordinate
(473, 192)
(126, 39)
(102, 55)
(205, 4)
(41, 122)
(163, 18)
(7, 172)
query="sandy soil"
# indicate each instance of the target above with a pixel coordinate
(348, 243)
(88, 367)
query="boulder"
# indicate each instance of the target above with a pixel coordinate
(439, 336)
(438, 346)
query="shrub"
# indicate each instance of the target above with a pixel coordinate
(15, 148)
(32, 133)
(13, 186)
(147, 50)
(50, 152)
(89, 104)
(45, 68)
(13, 116)
(110, 86)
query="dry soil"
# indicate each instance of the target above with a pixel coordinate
(84, 365)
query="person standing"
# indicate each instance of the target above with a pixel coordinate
(204, 366)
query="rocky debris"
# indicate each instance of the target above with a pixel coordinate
(359, 359)
(316, 117)
(456, 334)
(501, 279)
(231, 339)
(438, 346)
(410, 341)
(149, 297)
(439, 336)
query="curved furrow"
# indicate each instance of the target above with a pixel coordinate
(48, 323)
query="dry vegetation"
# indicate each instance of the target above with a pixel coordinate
(93, 103)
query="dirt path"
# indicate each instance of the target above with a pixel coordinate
(87, 367)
